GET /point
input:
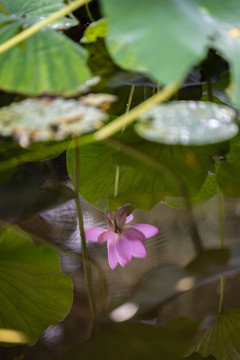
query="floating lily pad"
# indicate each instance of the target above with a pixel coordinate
(44, 120)
(34, 291)
(188, 123)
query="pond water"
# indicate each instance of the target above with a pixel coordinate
(145, 115)
(171, 246)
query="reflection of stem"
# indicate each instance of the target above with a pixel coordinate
(222, 242)
(127, 119)
(89, 13)
(41, 24)
(81, 228)
(161, 167)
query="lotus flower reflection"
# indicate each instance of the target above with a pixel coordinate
(123, 241)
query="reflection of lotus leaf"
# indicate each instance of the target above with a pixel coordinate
(43, 120)
(188, 123)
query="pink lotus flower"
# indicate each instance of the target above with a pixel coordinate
(123, 241)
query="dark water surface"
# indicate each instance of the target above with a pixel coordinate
(172, 245)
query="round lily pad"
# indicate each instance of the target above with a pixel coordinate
(188, 123)
(46, 119)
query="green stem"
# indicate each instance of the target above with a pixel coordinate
(221, 219)
(85, 258)
(129, 103)
(128, 118)
(222, 293)
(161, 167)
(117, 174)
(41, 24)
(89, 13)
(222, 239)
(209, 90)
(222, 242)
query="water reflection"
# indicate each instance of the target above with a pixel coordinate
(172, 245)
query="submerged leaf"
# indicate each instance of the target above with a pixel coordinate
(44, 120)
(159, 286)
(138, 342)
(188, 123)
(162, 284)
(34, 291)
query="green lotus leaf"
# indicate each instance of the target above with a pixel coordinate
(207, 191)
(225, 19)
(139, 185)
(165, 39)
(222, 341)
(31, 11)
(46, 62)
(34, 291)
